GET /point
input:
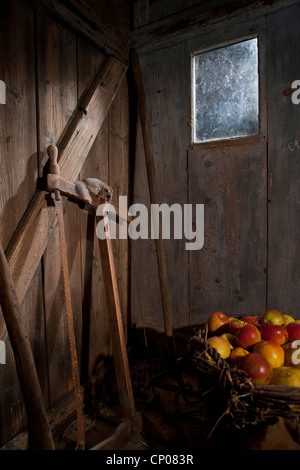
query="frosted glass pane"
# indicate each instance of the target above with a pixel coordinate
(226, 92)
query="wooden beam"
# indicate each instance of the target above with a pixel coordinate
(82, 21)
(201, 17)
(30, 239)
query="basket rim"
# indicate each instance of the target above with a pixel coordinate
(222, 364)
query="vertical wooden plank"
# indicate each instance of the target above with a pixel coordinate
(164, 83)
(18, 170)
(57, 98)
(119, 180)
(95, 335)
(57, 83)
(284, 167)
(228, 273)
(33, 307)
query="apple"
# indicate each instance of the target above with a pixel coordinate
(288, 319)
(230, 338)
(272, 316)
(248, 336)
(286, 376)
(271, 351)
(221, 345)
(237, 355)
(258, 368)
(235, 325)
(217, 323)
(292, 357)
(287, 345)
(276, 333)
(254, 320)
(293, 330)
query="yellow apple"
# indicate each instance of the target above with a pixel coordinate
(288, 319)
(272, 316)
(286, 376)
(221, 345)
(237, 355)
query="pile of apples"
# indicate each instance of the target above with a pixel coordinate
(266, 347)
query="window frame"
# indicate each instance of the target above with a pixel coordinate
(210, 43)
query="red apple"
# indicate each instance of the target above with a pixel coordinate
(235, 325)
(217, 323)
(293, 330)
(258, 368)
(276, 333)
(248, 336)
(271, 351)
(253, 320)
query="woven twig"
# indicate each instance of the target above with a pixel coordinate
(246, 403)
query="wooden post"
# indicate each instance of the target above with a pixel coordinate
(160, 249)
(117, 335)
(39, 434)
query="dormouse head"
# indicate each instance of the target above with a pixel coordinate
(106, 193)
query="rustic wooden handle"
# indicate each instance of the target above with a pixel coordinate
(160, 250)
(52, 151)
(39, 433)
(54, 169)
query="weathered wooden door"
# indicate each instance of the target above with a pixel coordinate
(229, 177)
(250, 188)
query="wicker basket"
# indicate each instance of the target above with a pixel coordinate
(229, 391)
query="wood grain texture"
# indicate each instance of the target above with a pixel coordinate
(39, 434)
(95, 335)
(64, 74)
(18, 147)
(283, 160)
(86, 24)
(116, 328)
(164, 84)
(30, 240)
(57, 97)
(229, 272)
(119, 180)
(18, 173)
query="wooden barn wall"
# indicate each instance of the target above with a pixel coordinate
(47, 68)
(249, 261)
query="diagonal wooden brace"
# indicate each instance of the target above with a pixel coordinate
(30, 239)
